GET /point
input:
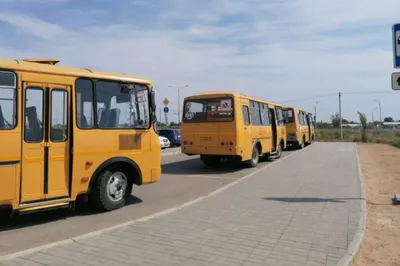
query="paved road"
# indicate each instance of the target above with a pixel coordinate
(184, 178)
(300, 211)
(171, 151)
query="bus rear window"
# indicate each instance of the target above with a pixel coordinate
(208, 110)
(288, 116)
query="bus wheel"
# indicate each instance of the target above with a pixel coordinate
(255, 157)
(279, 151)
(302, 144)
(112, 190)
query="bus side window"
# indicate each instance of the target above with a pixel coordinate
(2, 124)
(255, 114)
(265, 115)
(84, 103)
(8, 100)
(246, 116)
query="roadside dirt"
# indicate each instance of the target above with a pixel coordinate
(381, 169)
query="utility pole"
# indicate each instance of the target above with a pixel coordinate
(373, 111)
(179, 101)
(160, 118)
(315, 117)
(340, 114)
(380, 110)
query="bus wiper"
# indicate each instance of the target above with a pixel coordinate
(8, 124)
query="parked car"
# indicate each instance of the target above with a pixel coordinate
(174, 136)
(164, 142)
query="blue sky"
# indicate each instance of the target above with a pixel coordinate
(277, 50)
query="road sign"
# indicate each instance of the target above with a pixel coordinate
(166, 109)
(165, 102)
(396, 81)
(396, 45)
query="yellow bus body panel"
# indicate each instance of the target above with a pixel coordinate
(21, 163)
(232, 138)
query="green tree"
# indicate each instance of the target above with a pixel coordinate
(388, 119)
(363, 121)
(335, 120)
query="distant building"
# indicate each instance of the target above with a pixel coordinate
(391, 124)
(351, 125)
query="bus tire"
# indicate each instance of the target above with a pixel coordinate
(279, 150)
(112, 189)
(302, 143)
(255, 157)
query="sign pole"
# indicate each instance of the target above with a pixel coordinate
(396, 56)
(166, 110)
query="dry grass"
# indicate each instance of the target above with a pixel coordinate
(381, 170)
(384, 136)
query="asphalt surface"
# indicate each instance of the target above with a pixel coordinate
(184, 178)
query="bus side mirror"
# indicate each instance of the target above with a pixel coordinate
(153, 106)
(153, 101)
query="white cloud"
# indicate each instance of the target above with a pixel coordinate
(31, 26)
(276, 50)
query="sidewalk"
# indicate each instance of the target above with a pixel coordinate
(303, 210)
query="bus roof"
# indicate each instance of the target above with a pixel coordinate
(233, 94)
(48, 66)
(296, 108)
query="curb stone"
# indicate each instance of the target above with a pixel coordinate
(355, 244)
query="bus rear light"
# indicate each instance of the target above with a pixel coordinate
(227, 143)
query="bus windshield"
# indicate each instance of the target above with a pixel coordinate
(288, 116)
(208, 110)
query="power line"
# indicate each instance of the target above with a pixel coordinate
(335, 94)
(370, 92)
(311, 97)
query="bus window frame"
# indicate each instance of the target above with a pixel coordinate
(94, 105)
(16, 100)
(44, 110)
(67, 113)
(205, 105)
(281, 122)
(284, 110)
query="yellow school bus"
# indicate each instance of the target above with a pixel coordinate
(299, 127)
(70, 133)
(218, 125)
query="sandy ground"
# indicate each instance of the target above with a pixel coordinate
(381, 169)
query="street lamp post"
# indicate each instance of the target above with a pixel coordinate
(373, 120)
(380, 110)
(315, 116)
(179, 101)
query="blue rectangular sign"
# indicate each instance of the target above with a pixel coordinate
(396, 45)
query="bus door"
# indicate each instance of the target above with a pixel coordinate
(247, 134)
(274, 124)
(45, 144)
(309, 121)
